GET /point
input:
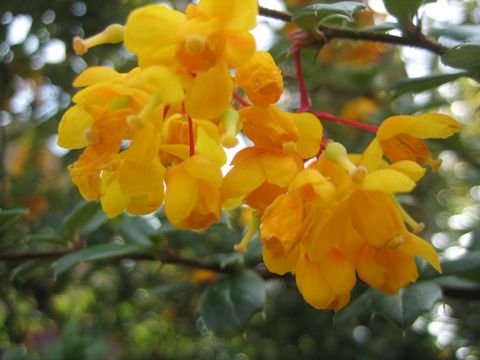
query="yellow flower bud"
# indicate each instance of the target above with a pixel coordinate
(261, 79)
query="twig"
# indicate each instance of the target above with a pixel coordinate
(418, 40)
(327, 33)
(274, 14)
(329, 117)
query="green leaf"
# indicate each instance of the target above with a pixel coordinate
(467, 263)
(233, 259)
(358, 307)
(308, 18)
(97, 252)
(419, 84)
(405, 308)
(229, 303)
(465, 56)
(382, 27)
(465, 33)
(85, 218)
(404, 10)
(10, 215)
(24, 268)
(136, 232)
(171, 288)
(46, 238)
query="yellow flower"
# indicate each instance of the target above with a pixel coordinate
(176, 140)
(278, 129)
(399, 136)
(192, 198)
(360, 108)
(261, 79)
(209, 40)
(259, 175)
(203, 276)
(366, 224)
(135, 180)
(325, 283)
(98, 122)
(390, 269)
(286, 221)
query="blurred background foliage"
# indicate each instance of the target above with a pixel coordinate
(140, 308)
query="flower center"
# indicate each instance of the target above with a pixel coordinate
(195, 44)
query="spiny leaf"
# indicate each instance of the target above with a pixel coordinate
(229, 303)
(308, 18)
(463, 56)
(404, 10)
(404, 309)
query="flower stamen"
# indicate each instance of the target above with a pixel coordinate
(252, 229)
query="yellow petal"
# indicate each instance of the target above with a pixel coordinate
(162, 81)
(424, 126)
(310, 134)
(312, 284)
(234, 14)
(179, 150)
(416, 246)
(368, 269)
(210, 94)
(282, 224)
(409, 168)
(137, 178)
(269, 127)
(338, 272)
(310, 184)
(240, 46)
(181, 195)
(261, 79)
(388, 180)
(281, 169)
(372, 156)
(146, 203)
(375, 216)
(113, 200)
(203, 169)
(151, 33)
(207, 142)
(97, 74)
(281, 264)
(241, 180)
(74, 127)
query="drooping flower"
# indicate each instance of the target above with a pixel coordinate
(261, 79)
(325, 283)
(287, 221)
(400, 135)
(192, 198)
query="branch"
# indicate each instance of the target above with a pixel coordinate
(327, 33)
(418, 40)
(274, 14)
(169, 257)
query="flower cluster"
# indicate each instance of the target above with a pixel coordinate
(156, 136)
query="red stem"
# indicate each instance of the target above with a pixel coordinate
(304, 100)
(165, 110)
(241, 100)
(332, 118)
(191, 136)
